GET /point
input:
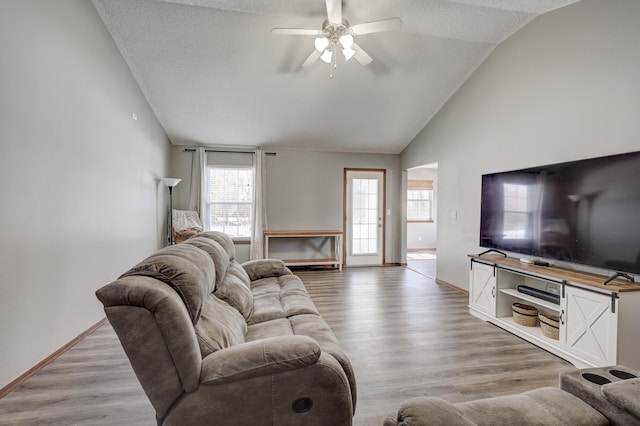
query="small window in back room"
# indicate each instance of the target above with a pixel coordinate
(420, 201)
(229, 200)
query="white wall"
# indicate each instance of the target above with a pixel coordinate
(305, 189)
(565, 87)
(81, 196)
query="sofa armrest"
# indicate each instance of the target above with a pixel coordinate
(625, 395)
(261, 357)
(265, 268)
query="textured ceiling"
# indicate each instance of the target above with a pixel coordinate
(215, 75)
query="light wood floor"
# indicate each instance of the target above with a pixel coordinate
(426, 267)
(405, 335)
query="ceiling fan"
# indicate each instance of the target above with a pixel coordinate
(338, 34)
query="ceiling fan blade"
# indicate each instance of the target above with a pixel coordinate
(360, 55)
(391, 24)
(334, 11)
(311, 59)
(297, 31)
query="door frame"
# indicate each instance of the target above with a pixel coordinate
(384, 211)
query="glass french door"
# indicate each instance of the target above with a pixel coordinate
(364, 217)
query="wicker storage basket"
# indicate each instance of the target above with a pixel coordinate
(550, 326)
(525, 314)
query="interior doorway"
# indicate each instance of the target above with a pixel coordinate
(422, 219)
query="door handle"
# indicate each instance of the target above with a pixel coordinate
(562, 317)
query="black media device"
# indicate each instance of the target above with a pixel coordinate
(586, 212)
(540, 294)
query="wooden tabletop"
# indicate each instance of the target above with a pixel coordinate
(558, 273)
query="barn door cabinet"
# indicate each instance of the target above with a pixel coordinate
(599, 323)
(482, 295)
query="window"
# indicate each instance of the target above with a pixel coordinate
(229, 200)
(365, 216)
(420, 201)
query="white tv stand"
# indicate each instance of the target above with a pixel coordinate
(599, 324)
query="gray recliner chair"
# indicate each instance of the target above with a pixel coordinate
(592, 396)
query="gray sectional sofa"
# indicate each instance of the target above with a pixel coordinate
(216, 342)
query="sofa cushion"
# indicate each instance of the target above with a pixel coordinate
(544, 406)
(224, 240)
(220, 326)
(280, 297)
(234, 289)
(428, 412)
(263, 330)
(186, 269)
(218, 254)
(294, 297)
(232, 282)
(624, 394)
(266, 307)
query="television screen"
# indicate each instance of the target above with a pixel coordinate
(585, 212)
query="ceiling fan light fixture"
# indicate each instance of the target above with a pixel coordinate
(346, 40)
(326, 56)
(321, 43)
(348, 53)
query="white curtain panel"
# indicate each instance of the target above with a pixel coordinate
(198, 170)
(259, 206)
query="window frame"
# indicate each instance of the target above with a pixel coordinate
(209, 203)
(420, 185)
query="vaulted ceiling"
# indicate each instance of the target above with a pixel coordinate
(214, 74)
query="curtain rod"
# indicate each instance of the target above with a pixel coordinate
(228, 152)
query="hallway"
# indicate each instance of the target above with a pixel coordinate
(423, 262)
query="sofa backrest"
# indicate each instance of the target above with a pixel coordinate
(168, 317)
(186, 269)
(152, 309)
(232, 282)
(224, 240)
(218, 254)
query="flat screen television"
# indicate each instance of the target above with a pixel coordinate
(585, 212)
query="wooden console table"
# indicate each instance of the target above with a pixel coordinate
(335, 260)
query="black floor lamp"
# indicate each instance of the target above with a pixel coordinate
(170, 183)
